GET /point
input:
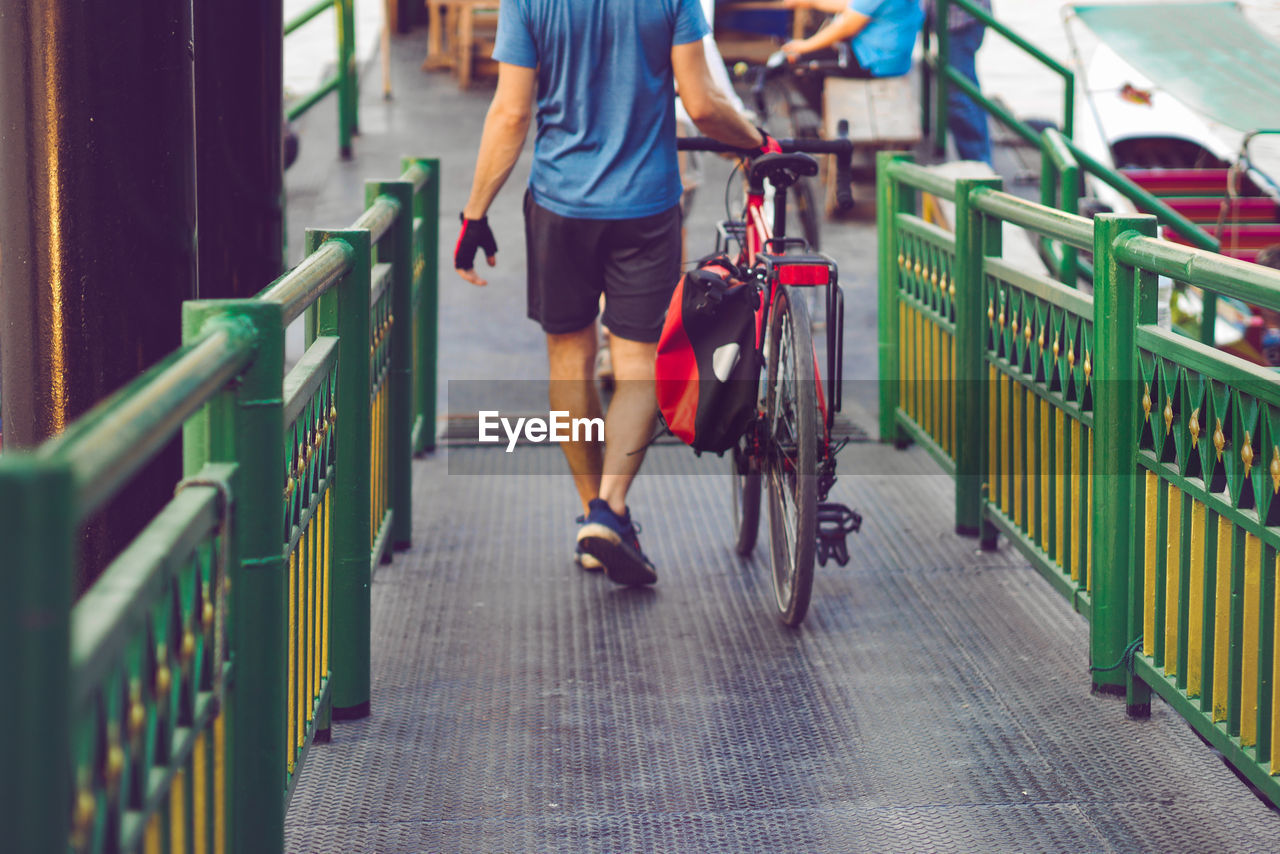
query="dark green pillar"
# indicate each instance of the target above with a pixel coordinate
(97, 217)
(239, 160)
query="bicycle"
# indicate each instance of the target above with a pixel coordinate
(788, 444)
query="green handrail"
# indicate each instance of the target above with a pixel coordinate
(1134, 468)
(180, 696)
(947, 75)
(1059, 188)
(345, 79)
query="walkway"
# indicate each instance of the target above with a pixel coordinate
(936, 698)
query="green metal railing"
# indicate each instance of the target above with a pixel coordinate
(345, 79)
(945, 74)
(1160, 525)
(173, 705)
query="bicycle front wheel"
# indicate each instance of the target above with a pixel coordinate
(791, 454)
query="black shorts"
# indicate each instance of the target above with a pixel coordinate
(635, 263)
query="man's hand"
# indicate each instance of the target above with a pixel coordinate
(769, 145)
(795, 49)
(475, 235)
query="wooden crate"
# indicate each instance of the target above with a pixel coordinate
(460, 38)
(883, 115)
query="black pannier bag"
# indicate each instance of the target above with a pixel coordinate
(708, 372)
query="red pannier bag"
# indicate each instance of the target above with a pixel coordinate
(708, 371)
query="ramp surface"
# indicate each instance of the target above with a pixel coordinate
(936, 698)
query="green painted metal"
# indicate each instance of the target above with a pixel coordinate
(1059, 225)
(245, 424)
(319, 271)
(307, 14)
(426, 296)
(1124, 352)
(1059, 188)
(1251, 283)
(296, 110)
(1243, 758)
(344, 312)
(942, 37)
(945, 74)
(344, 81)
(973, 242)
(1121, 302)
(225, 390)
(890, 200)
(348, 74)
(396, 246)
(114, 441)
(906, 171)
(38, 528)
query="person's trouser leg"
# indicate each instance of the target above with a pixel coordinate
(965, 119)
(628, 427)
(572, 361)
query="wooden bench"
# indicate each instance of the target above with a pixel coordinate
(460, 38)
(883, 113)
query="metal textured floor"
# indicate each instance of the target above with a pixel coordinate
(936, 698)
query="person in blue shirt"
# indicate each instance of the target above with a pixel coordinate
(602, 215)
(882, 33)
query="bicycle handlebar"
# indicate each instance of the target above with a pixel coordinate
(802, 146)
(841, 148)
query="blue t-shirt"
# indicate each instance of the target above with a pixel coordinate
(884, 45)
(606, 138)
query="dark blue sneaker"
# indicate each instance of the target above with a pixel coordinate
(612, 540)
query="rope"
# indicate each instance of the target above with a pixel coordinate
(1126, 658)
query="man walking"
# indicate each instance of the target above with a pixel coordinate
(601, 216)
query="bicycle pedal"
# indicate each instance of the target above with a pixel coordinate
(835, 523)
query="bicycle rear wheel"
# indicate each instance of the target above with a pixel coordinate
(746, 497)
(790, 454)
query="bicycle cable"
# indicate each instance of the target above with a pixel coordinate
(728, 214)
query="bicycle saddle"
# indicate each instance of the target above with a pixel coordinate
(781, 170)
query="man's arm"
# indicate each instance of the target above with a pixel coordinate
(829, 7)
(844, 26)
(710, 110)
(505, 127)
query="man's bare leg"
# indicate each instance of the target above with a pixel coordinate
(572, 360)
(628, 427)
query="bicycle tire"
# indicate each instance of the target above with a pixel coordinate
(791, 454)
(746, 498)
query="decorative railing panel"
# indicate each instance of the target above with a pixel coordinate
(173, 706)
(1138, 470)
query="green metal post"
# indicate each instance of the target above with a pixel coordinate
(1068, 105)
(246, 426)
(426, 207)
(38, 529)
(399, 240)
(1209, 319)
(889, 202)
(943, 35)
(926, 79)
(970, 369)
(346, 83)
(1060, 188)
(344, 312)
(1120, 304)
